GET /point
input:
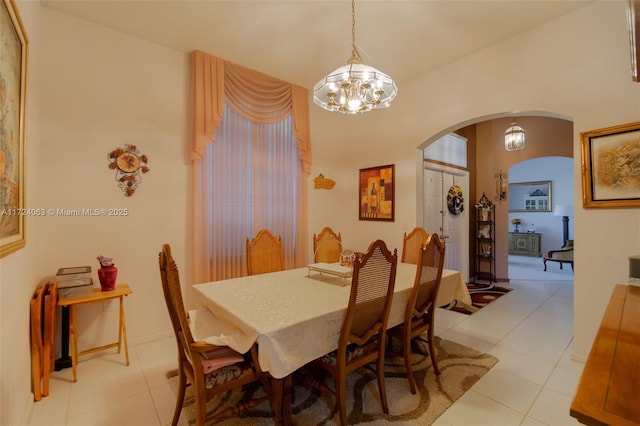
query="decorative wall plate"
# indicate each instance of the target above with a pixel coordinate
(128, 164)
(455, 201)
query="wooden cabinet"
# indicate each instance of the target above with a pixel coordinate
(609, 381)
(525, 244)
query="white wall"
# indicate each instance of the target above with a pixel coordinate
(91, 90)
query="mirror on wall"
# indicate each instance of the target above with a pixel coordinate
(530, 196)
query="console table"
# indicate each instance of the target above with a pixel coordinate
(607, 392)
(525, 244)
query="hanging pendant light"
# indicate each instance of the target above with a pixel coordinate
(514, 137)
(355, 87)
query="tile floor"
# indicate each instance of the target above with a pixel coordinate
(529, 330)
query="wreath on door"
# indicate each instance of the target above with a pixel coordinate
(455, 201)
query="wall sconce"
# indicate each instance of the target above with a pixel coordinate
(501, 186)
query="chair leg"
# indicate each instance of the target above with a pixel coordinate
(341, 393)
(36, 373)
(201, 407)
(432, 352)
(381, 384)
(406, 352)
(545, 264)
(182, 387)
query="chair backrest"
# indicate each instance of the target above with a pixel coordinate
(264, 253)
(411, 244)
(427, 280)
(372, 284)
(327, 246)
(170, 278)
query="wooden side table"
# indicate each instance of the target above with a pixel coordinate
(97, 295)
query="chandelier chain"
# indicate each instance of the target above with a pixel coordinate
(355, 55)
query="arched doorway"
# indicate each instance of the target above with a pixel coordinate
(548, 134)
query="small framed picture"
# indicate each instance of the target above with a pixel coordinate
(377, 192)
(610, 160)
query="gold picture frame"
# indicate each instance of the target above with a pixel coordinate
(376, 193)
(610, 160)
(13, 88)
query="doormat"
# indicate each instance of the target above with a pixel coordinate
(481, 295)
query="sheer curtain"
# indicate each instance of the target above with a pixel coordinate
(250, 159)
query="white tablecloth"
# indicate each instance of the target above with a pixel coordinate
(295, 318)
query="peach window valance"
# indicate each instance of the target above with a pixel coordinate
(251, 94)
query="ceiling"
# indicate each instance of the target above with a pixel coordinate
(302, 40)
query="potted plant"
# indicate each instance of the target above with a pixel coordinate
(516, 221)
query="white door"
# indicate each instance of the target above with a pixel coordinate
(453, 229)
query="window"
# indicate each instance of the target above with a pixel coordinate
(450, 149)
(250, 179)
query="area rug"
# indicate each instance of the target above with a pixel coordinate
(481, 295)
(460, 368)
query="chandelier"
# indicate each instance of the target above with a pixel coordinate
(354, 87)
(514, 137)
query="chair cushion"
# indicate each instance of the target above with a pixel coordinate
(353, 352)
(218, 358)
(228, 373)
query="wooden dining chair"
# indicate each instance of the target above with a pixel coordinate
(327, 246)
(421, 307)
(362, 336)
(411, 244)
(209, 369)
(264, 253)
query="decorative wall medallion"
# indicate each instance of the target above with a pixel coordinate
(455, 201)
(128, 164)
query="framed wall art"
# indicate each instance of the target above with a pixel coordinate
(530, 196)
(610, 160)
(13, 74)
(376, 193)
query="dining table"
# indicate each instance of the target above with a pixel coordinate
(294, 316)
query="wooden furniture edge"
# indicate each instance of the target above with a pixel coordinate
(589, 402)
(97, 295)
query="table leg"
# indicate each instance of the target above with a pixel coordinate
(74, 340)
(64, 361)
(122, 331)
(281, 402)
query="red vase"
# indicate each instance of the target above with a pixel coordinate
(107, 276)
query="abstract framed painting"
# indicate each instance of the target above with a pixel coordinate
(376, 193)
(13, 87)
(610, 161)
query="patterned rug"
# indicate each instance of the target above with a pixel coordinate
(481, 295)
(460, 368)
